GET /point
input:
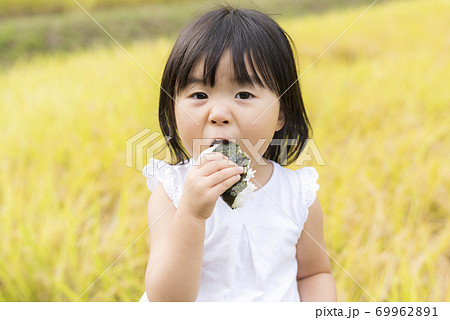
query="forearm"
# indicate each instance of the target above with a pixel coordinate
(318, 287)
(176, 275)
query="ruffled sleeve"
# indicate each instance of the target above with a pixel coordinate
(308, 183)
(169, 175)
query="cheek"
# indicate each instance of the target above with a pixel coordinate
(262, 127)
(187, 130)
(261, 132)
(182, 119)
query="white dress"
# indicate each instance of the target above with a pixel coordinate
(250, 252)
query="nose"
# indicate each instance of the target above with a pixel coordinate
(224, 121)
(219, 115)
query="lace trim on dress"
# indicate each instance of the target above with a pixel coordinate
(159, 170)
(308, 180)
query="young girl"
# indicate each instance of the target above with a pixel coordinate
(231, 75)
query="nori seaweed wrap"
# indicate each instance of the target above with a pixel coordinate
(236, 195)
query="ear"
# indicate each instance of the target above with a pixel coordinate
(281, 120)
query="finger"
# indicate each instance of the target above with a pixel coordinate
(223, 175)
(213, 156)
(225, 184)
(204, 157)
(215, 166)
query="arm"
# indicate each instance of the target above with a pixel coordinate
(314, 279)
(177, 235)
(176, 255)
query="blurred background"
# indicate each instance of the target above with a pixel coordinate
(71, 98)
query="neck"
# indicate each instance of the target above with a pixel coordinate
(263, 172)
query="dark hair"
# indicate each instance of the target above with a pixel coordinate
(246, 33)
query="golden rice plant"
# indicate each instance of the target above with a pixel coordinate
(8, 7)
(378, 103)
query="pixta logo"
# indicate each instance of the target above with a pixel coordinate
(145, 145)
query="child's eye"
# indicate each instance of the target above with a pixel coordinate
(199, 95)
(244, 95)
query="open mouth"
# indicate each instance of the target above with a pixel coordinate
(219, 141)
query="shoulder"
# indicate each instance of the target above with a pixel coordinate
(159, 202)
(307, 178)
(160, 168)
(315, 216)
(302, 188)
(295, 191)
(171, 177)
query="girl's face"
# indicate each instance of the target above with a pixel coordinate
(228, 110)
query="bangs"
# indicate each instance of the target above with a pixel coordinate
(249, 45)
(260, 55)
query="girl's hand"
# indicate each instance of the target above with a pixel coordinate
(206, 182)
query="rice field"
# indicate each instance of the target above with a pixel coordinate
(378, 101)
(16, 7)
